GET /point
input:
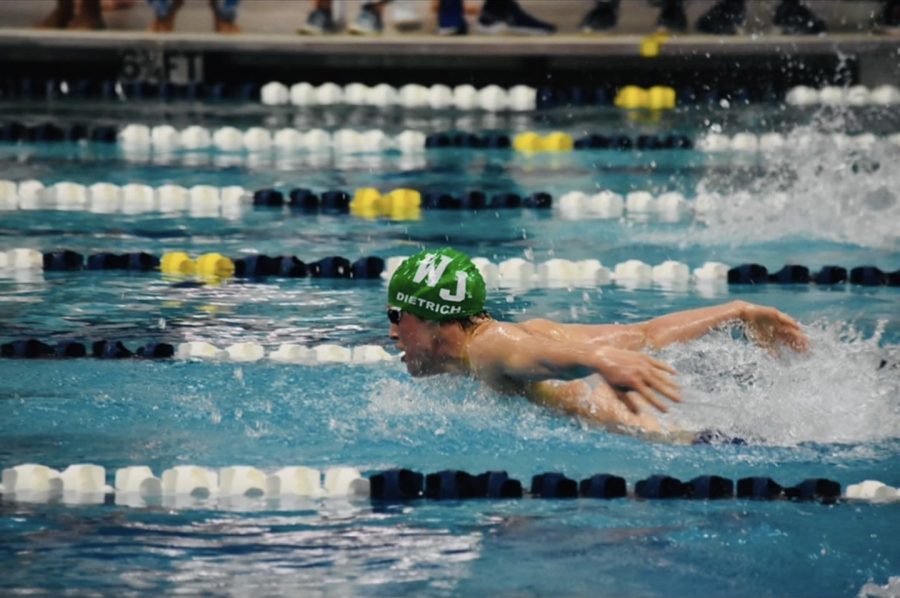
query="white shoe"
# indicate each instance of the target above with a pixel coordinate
(405, 15)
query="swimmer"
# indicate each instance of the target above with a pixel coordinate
(595, 372)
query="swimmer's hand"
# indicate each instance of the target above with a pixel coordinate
(768, 327)
(634, 376)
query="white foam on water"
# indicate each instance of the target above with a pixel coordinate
(889, 590)
(838, 392)
(451, 407)
(825, 192)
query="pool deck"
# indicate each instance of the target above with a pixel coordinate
(867, 58)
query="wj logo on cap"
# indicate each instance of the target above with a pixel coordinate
(428, 270)
(438, 284)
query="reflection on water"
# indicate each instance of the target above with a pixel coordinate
(330, 550)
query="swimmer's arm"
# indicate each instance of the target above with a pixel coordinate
(515, 355)
(765, 325)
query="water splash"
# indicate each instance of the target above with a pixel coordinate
(452, 408)
(846, 389)
(819, 191)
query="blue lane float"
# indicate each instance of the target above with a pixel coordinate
(603, 486)
(113, 90)
(539, 200)
(63, 261)
(302, 199)
(262, 266)
(331, 267)
(759, 488)
(827, 275)
(396, 485)
(269, 198)
(367, 268)
(335, 201)
(71, 349)
(660, 487)
(450, 485)
(710, 487)
(156, 351)
(69, 261)
(497, 484)
(816, 489)
(868, 276)
(405, 484)
(26, 349)
(110, 350)
(135, 262)
(16, 132)
(553, 485)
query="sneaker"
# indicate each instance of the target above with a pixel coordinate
(603, 17)
(795, 18)
(514, 20)
(318, 22)
(405, 16)
(367, 22)
(458, 28)
(451, 18)
(723, 18)
(672, 16)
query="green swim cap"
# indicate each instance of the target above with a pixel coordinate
(437, 284)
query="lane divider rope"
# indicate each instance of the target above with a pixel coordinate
(202, 201)
(380, 95)
(137, 485)
(510, 273)
(856, 95)
(166, 138)
(491, 98)
(205, 201)
(244, 352)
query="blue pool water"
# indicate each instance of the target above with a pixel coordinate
(833, 413)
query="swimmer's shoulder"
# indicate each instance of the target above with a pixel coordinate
(545, 328)
(496, 335)
(491, 344)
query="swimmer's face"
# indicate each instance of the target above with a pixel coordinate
(418, 339)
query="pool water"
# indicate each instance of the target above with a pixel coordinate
(834, 412)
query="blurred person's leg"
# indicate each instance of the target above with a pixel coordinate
(723, 18)
(59, 17)
(370, 19)
(470, 9)
(110, 5)
(88, 16)
(451, 18)
(890, 15)
(225, 15)
(603, 17)
(320, 19)
(672, 16)
(794, 17)
(164, 15)
(500, 16)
